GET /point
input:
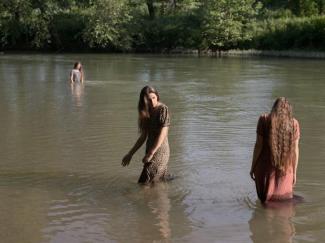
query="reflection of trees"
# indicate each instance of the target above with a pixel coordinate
(28, 95)
(273, 223)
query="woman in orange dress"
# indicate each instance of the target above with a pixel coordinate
(276, 153)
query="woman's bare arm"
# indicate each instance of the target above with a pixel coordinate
(295, 164)
(82, 76)
(127, 158)
(71, 77)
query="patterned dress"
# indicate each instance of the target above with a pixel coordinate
(268, 186)
(156, 169)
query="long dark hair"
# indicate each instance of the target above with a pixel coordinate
(143, 107)
(281, 135)
(76, 65)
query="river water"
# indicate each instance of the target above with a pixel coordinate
(61, 178)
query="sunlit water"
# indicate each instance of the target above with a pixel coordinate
(61, 149)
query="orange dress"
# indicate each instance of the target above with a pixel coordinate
(268, 186)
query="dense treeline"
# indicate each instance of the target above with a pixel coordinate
(305, 33)
(161, 25)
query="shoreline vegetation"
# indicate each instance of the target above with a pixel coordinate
(209, 53)
(275, 53)
(292, 28)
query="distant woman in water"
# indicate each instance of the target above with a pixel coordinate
(276, 153)
(77, 74)
(153, 124)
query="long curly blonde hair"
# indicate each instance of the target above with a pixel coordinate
(281, 135)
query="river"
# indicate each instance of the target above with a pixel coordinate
(61, 178)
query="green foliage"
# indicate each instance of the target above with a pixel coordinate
(167, 33)
(226, 23)
(26, 23)
(13, 17)
(295, 33)
(67, 30)
(161, 25)
(107, 25)
(275, 14)
(176, 24)
(297, 7)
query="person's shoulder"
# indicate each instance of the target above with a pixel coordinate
(163, 110)
(162, 106)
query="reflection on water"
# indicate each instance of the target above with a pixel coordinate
(157, 199)
(77, 91)
(61, 146)
(273, 222)
(83, 208)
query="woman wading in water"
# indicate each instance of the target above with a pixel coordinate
(153, 123)
(77, 74)
(276, 153)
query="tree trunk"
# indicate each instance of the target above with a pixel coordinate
(151, 9)
(173, 3)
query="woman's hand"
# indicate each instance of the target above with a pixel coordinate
(252, 175)
(147, 158)
(126, 159)
(294, 180)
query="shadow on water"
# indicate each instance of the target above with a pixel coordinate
(272, 222)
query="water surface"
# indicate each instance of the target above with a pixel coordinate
(61, 149)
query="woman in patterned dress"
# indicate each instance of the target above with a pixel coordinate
(153, 124)
(276, 153)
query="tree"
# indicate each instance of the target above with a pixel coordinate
(297, 7)
(23, 25)
(225, 23)
(107, 25)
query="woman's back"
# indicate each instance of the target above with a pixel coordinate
(270, 184)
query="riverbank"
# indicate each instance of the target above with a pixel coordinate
(188, 52)
(252, 53)
(273, 53)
